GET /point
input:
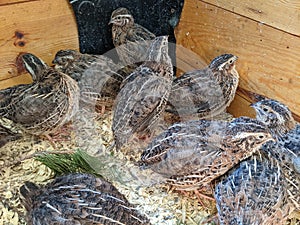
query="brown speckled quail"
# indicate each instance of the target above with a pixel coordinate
(143, 94)
(205, 93)
(96, 75)
(6, 135)
(264, 189)
(79, 199)
(46, 104)
(130, 39)
(194, 153)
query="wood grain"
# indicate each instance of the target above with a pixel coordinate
(39, 27)
(12, 2)
(269, 59)
(281, 14)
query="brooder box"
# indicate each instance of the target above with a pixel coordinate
(264, 34)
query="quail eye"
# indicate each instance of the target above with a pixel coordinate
(230, 61)
(265, 109)
(260, 136)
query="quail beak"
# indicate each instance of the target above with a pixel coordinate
(254, 105)
(54, 61)
(111, 21)
(258, 110)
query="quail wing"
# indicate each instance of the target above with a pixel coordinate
(139, 103)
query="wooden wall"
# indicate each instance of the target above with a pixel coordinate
(264, 34)
(40, 27)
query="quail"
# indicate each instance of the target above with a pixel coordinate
(276, 116)
(194, 153)
(205, 93)
(286, 150)
(78, 199)
(130, 39)
(43, 106)
(253, 193)
(97, 75)
(143, 94)
(6, 135)
(264, 189)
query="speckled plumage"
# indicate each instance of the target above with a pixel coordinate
(78, 199)
(205, 93)
(96, 75)
(252, 194)
(276, 116)
(130, 39)
(46, 104)
(143, 94)
(265, 188)
(286, 151)
(6, 135)
(194, 153)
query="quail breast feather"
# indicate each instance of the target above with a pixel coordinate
(264, 189)
(40, 107)
(205, 93)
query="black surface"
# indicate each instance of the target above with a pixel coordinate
(158, 16)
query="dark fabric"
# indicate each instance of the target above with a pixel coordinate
(158, 16)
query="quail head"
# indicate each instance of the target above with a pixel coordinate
(205, 93)
(46, 104)
(194, 153)
(6, 135)
(286, 150)
(130, 39)
(143, 94)
(79, 199)
(96, 75)
(264, 189)
(275, 115)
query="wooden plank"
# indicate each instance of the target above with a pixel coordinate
(269, 59)
(187, 60)
(12, 2)
(241, 107)
(246, 96)
(39, 27)
(281, 14)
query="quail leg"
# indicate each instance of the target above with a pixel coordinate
(62, 134)
(199, 195)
